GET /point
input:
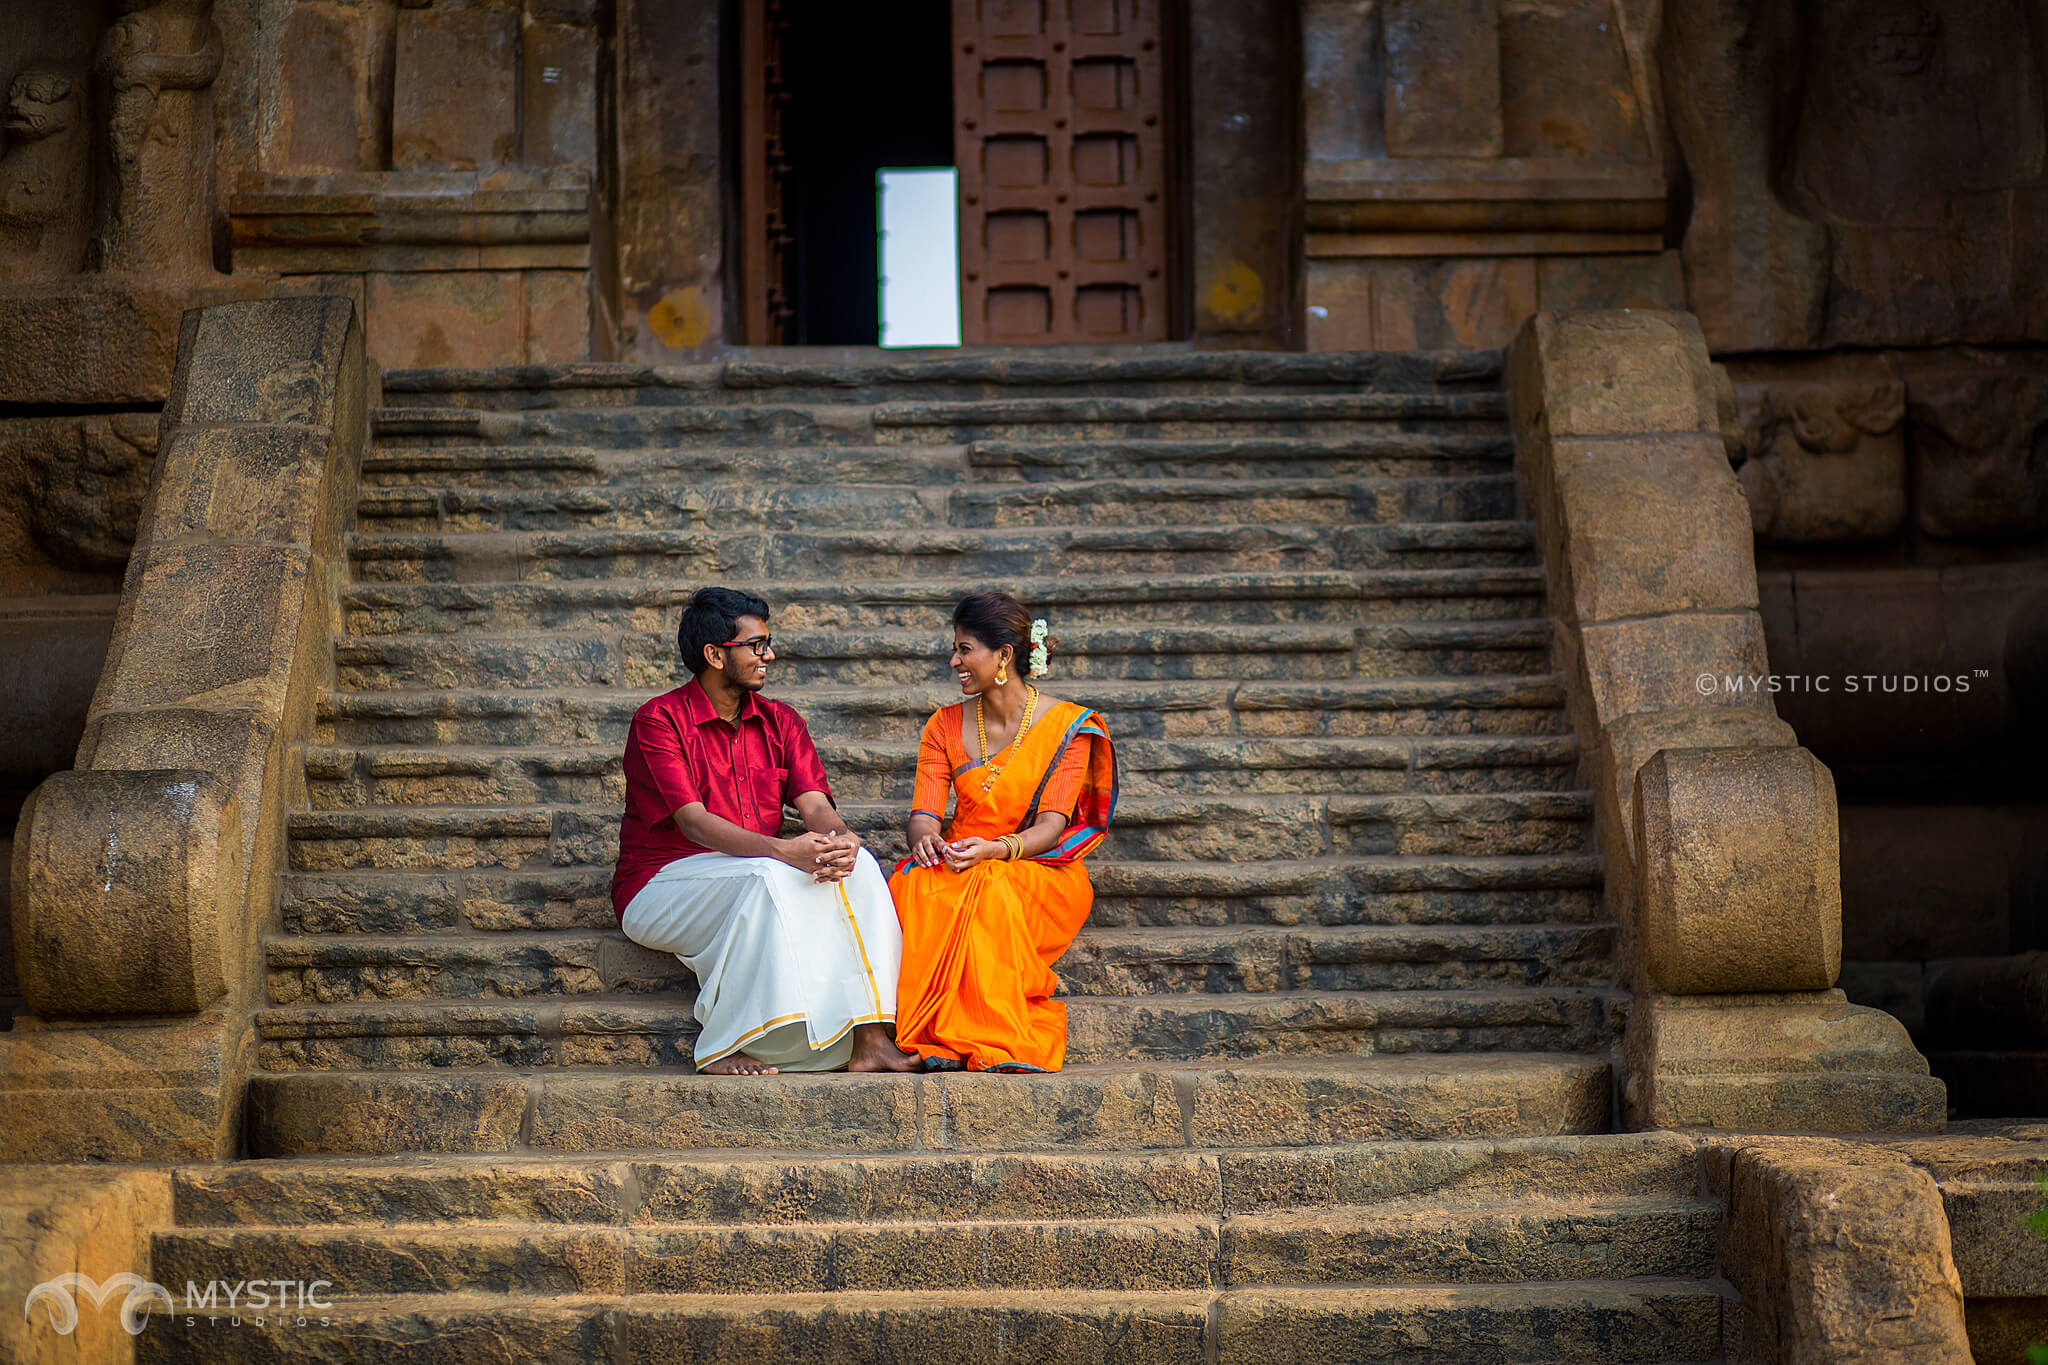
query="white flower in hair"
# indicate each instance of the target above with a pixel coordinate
(1038, 654)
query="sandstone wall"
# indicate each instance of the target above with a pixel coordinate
(1472, 161)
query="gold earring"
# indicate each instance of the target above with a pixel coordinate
(1002, 672)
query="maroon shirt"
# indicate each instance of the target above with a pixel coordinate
(680, 750)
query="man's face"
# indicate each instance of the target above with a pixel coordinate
(743, 668)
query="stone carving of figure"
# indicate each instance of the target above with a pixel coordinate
(157, 62)
(42, 178)
(1909, 103)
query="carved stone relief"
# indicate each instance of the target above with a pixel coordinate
(155, 65)
(74, 489)
(1980, 454)
(1862, 172)
(43, 188)
(1827, 460)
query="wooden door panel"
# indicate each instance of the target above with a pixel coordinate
(1061, 146)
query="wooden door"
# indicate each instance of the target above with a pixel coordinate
(1060, 138)
(765, 307)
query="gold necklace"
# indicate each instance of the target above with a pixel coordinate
(981, 727)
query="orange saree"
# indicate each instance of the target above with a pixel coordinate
(975, 990)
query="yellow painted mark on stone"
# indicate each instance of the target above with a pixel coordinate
(1236, 294)
(680, 318)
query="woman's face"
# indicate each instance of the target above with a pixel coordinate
(974, 663)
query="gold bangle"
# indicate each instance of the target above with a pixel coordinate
(1015, 844)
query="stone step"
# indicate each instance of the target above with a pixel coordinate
(660, 1030)
(743, 1188)
(847, 422)
(657, 476)
(772, 476)
(1387, 1245)
(1380, 455)
(1397, 517)
(1212, 826)
(1647, 1322)
(1171, 417)
(581, 774)
(1528, 889)
(647, 661)
(1409, 515)
(1513, 704)
(1203, 960)
(1311, 596)
(830, 373)
(1377, 957)
(1554, 888)
(1131, 1106)
(539, 556)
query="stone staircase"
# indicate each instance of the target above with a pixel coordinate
(1341, 1018)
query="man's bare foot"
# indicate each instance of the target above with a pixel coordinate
(874, 1049)
(736, 1064)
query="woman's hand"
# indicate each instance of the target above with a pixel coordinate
(962, 854)
(927, 850)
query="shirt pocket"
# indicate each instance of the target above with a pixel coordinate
(768, 786)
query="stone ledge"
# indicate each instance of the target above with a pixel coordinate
(1840, 1252)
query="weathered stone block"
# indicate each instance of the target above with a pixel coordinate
(1582, 283)
(1567, 90)
(240, 747)
(208, 624)
(164, 847)
(1775, 1063)
(1613, 373)
(1443, 79)
(1631, 740)
(455, 103)
(298, 1114)
(558, 95)
(1839, 1253)
(278, 361)
(1660, 663)
(99, 338)
(671, 292)
(1738, 883)
(1398, 305)
(324, 121)
(127, 1091)
(1644, 525)
(427, 318)
(557, 316)
(259, 484)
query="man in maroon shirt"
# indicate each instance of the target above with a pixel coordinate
(794, 941)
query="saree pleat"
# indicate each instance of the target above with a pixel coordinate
(976, 985)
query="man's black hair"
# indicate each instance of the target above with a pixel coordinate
(710, 619)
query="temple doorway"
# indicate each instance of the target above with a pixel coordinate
(1052, 116)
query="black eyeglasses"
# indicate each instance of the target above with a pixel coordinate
(760, 644)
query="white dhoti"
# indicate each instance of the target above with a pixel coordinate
(785, 966)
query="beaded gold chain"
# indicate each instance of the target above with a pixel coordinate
(981, 727)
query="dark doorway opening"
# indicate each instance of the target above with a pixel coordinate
(866, 84)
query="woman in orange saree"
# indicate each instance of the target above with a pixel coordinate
(991, 903)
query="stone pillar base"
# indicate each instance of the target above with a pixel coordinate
(1790, 1062)
(123, 1092)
